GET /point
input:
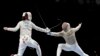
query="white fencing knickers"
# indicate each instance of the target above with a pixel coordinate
(67, 47)
(28, 41)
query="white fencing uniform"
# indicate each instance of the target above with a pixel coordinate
(25, 27)
(69, 35)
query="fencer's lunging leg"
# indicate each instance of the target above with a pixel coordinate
(59, 49)
(21, 48)
(35, 45)
(38, 50)
(79, 51)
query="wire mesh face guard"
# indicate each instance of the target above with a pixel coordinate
(65, 26)
(27, 15)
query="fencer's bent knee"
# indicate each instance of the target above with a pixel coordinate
(60, 45)
(37, 44)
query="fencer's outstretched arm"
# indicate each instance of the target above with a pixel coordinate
(13, 29)
(78, 27)
(57, 34)
(39, 28)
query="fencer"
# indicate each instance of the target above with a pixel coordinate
(26, 26)
(68, 33)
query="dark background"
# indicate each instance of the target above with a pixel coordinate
(72, 11)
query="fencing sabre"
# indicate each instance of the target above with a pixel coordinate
(53, 26)
(42, 19)
(57, 24)
(45, 24)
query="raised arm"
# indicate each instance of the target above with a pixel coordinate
(78, 27)
(13, 29)
(39, 28)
